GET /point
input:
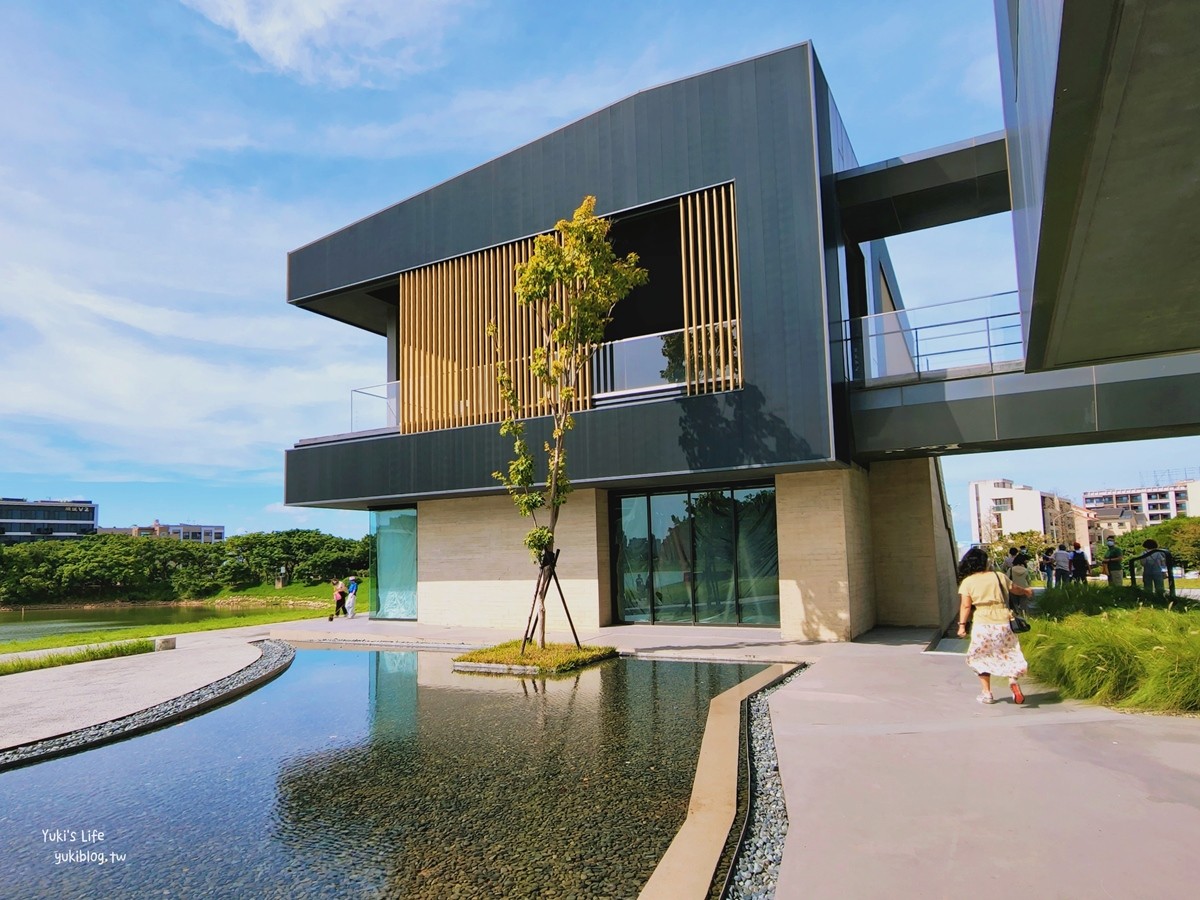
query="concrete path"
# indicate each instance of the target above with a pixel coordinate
(898, 783)
(49, 702)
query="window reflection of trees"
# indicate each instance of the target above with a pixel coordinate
(708, 556)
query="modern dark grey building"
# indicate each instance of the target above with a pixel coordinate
(758, 444)
(24, 520)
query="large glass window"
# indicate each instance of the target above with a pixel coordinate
(394, 564)
(633, 559)
(716, 593)
(671, 543)
(706, 557)
(757, 556)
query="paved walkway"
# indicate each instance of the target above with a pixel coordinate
(898, 783)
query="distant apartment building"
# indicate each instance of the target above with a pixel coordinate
(1157, 503)
(200, 534)
(1001, 507)
(24, 520)
(1112, 521)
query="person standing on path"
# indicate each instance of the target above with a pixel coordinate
(352, 595)
(1019, 573)
(1154, 566)
(339, 598)
(1113, 558)
(994, 648)
(1062, 565)
(1080, 564)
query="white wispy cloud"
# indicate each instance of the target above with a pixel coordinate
(489, 120)
(338, 42)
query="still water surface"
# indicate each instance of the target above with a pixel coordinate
(380, 774)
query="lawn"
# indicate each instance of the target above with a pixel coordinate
(87, 654)
(266, 617)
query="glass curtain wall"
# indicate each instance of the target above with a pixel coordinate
(706, 557)
(394, 564)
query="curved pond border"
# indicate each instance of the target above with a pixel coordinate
(275, 657)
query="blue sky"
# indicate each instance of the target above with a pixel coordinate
(159, 159)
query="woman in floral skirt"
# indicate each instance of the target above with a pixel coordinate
(994, 649)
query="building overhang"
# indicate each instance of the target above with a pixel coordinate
(1117, 273)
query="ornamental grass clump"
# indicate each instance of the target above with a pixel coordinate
(1172, 681)
(1131, 658)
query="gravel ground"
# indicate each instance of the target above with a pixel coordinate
(756, 869)
(276, 656)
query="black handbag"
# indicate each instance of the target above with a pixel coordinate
(1015, 622)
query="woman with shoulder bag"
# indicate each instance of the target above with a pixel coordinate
(994, 648)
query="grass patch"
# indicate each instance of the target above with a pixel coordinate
(1137, 659)
(555, 658)
(150, 631)
(322, 592)
(1094, 599)
(87, 654)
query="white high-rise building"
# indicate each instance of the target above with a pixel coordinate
(1157, 503)
(1000, 507)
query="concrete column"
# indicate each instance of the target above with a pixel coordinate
(826, 581)
(913, 541)
(472, 568)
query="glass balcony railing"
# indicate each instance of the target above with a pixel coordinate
(977, 336)
(646, 364)
(375, 407)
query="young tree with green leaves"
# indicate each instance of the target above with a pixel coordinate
(572, 282)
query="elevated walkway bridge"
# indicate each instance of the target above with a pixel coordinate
(950, 378)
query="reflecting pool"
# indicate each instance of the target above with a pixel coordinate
(380, 774)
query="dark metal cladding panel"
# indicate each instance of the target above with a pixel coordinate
(751, 124)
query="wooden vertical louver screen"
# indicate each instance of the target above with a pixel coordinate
(711, 295)
(447, 364)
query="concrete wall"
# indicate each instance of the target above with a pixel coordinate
(473, 569)
(913, 544)
(826, 578)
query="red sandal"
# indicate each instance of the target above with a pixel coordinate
(1018, 697)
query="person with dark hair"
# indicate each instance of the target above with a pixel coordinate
(1062, 565)
(1112, 563)
(1079, 564)
(1154, 566)
(1046, 566)
(1020, 574)
(994, 649)
(1007, 564)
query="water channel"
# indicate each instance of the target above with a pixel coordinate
(380, 774)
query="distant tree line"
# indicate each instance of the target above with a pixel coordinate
(123, 567)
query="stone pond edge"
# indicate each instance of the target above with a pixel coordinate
(275, 658)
